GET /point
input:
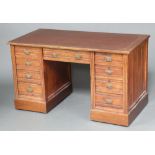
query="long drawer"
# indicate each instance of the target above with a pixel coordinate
(67, 56)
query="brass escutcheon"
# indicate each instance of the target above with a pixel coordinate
(78, 57)
(27, 52)
(29, 89)
(28, 63)
(28, 76)
(108, 58)
(108, 71)
(54, 55)
(109, 85)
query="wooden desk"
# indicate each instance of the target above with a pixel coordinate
(118, 67)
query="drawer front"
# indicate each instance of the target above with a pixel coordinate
(109, 86)
(109, 59)
(27, 89)
(29, 76)
(28, 64)
(110, 72)
(28, 52)
(109, 100)
(67, 56)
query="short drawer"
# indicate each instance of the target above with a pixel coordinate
(109, 59)
(28, 52)
(110, 72)
(109, 86)
(109, 100)
(28, 64)
(28, 89)
(67, 56)
(29, 76)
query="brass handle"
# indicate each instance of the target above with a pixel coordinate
(108, 71)
(27, 52)
(108, 59)
(109, 86)
(30, 89)
(78, 57)
(108, 101)
(28, 63)
(54, 55)
(28, 76)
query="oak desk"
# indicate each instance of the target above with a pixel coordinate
(118, 68)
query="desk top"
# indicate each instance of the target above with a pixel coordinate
(77, 40)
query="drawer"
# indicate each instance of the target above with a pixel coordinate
(67, 56)
(28, 52)
(29, 76)
(28, 64)
(109, 59)
(109, 100)
(28, 89)
(109, 86)
(110, 72)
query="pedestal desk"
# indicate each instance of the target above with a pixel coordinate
(118, 69)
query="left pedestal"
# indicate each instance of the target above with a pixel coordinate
(39, 85)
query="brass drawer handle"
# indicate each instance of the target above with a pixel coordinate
(28, 63)
(29, 89)
(27, 52)
(28, 76)
(54, 55)
(109, 71)
(108, 59)
(78, 57)
(109, 86)
(108, 101)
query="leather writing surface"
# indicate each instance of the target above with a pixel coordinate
(81, 40)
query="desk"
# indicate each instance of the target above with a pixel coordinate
(118, 69)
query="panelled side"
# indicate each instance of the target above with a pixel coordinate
(138, 74)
